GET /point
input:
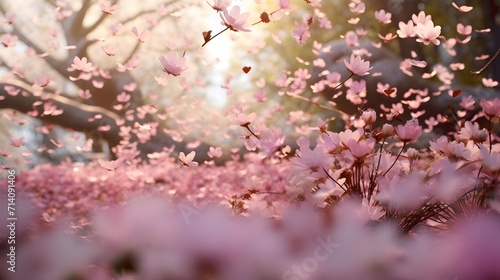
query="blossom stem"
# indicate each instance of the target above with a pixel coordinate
(212, 37)
(475, 73)
(380, 155)
(264, 192)
(319, 105)
(490, 128)
(329, 176)
(400, 152)
(339, 84)
(251, 132)
(255, 23)
(373, 183)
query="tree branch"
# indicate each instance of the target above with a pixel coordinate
(75, 117)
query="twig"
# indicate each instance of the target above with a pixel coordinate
(475, 73)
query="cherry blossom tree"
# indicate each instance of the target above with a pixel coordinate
(71, 29)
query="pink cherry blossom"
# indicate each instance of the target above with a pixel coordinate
(491, 108)
(215, 152)
(9, 40)
(387, 37)
(309, 163)
(467, 103)
(406, 30)
(409, 132)
(471, 131)
(421, 18)
(220, 5)
(173, 64)
(112, 164)
(106, 7)
(141, 37)
(383, 17)
(123, 97)
(490, 160)
(110, 50)
(81, 65)
(17, 142)
(115, 28)
(351, 39)
(428, 33)
(356, 92)
(403, 193)
(243, 119)
(187, 160)
(9, 18)
(42, 81)
(369, 116)
(358, 66)
(362, 148)
(285, 5)
(487, 82)
(301, 32)
(462, 9)
(271, 140)
(235, 20)
(357, 8)
(464, 30)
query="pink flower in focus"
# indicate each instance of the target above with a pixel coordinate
(471, 131)
(360, 149)
(188, 160)
(235, 20)
(81, 65)
(421, 18)
(409, 132)
(491, 107)
(406, 30)
(428, 33)
(173, 64)
(383, 17)
(358, 66)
